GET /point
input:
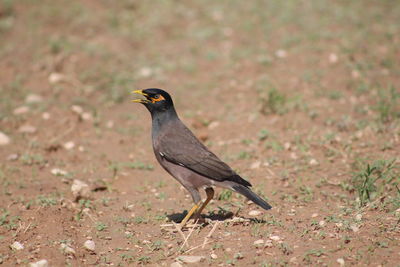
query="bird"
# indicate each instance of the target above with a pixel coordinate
(185, 158)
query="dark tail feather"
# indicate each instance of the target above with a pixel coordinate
(252, 196)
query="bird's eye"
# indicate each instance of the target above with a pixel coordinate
(156, 96)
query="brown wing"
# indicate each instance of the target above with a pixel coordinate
(178, 145)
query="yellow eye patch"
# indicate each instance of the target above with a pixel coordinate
(159, 98)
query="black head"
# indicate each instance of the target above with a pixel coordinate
(156, 100)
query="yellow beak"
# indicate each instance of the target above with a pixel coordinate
(140, 100)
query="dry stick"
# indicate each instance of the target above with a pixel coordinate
(68, 131)
(179, 230)
(210, 233)
(190, 233)
(196, 247)
(26, 229)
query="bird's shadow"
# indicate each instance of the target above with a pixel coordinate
(220, 215)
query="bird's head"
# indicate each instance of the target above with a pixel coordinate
(155, 100)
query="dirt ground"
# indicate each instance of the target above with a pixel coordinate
(302, 98)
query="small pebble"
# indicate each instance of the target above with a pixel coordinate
(56, 78)
(29, 129)
(258, 243)
(314, 215)
(214, 256)
(89, 245)
(176, 264)
(254, 212)
(69, 145)
(12, 157)
(21, 110)
(17, 246)
(4, 139)
(340, 261)
(275, 237)
(191, 259)
(41, 263)
(255, 165)
(313, 162)
(359, 217)
(33, 98)
(281, 53)
(77, 109)
(80, 189)
(58, 172)
(67, 249)
(45, 116)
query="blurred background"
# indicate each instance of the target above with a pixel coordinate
(301, 97)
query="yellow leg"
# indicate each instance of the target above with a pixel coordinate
(210, 195)
(190, 213)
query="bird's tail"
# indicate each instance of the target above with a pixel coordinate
(245, 191)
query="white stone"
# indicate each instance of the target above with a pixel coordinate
(69, 145)
(275, 238)
(77, 109)
(254, 212)
(176, 264)
(333, 58)
(56, 78)
(17, 246)
(191, 259)
(110, 124)
(355, 228)
(287, 145)
(258, 242)
(45, 116)
(4, 139)
(359, 217)
(281, 53)
(80, 189)
(313, 162)
(33, 98)
(255, 165)
(314, 215)
(213, 125)
(41, 263)
(12, 157)
(86, 116)
(145, 72)
(340, 261)
(89, 245)
(29, 129)
(321, 223)
(67, 249)
(213, 256)
(21, 110)
(58, 172)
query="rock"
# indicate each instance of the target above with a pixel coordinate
(80, 189)
(12, 157)
(258, 243)
(56, 77)
(58, 172)
(176, 264)
(333, 58)
(191, 259)
(145, 72)
(45, 116)
(314, 215)
(313, 162)
(4, 139)
(321, 223)
(67, 250)
(89, 245)
(359, 217)
(281, 53)
(254, 212)
(213, 256)
(86, 116)
(21, 110)
(29, 129)
(17, 246)
(77, 109)
(255, 165)
(33, 98)
(41, 263)
(355, 228)
(110, 124)
(275, 237)
(213, 125)
(69, 145)
(287, 145)
(340, 261)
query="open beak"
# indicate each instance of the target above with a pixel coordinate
(140, 100)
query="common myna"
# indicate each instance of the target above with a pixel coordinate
(183, 156)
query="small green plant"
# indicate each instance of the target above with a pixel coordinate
(275, 103)
(100, 226)
(375, 179)
(225, 195)
(388, 104)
